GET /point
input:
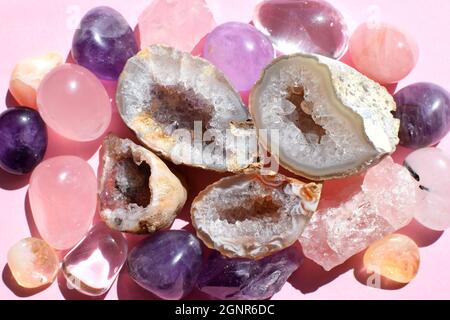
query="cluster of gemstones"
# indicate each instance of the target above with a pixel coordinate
(247, 223)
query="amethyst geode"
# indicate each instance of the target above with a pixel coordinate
(167, 264)
(104, 42)
(244, 279)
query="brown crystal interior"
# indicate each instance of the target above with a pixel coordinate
(257, 201)
(127, 183)
(175, 107)
(303, 119)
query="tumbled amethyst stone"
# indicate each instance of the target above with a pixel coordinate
(167, 264)
(23, 140)
(244, 279)
(104, 42)
(424, 113)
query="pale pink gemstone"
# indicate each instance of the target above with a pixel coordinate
(382, 52)
(28, 74)
(432, 167)
(74, 103)
(177, 23)
(33, 263)
(385, 203)
(93, 265)
(63, 199)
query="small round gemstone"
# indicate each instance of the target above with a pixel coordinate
(104, 42)
(33, 263)
(23, 140)
(424, 113)
(74, 103)
(240, 51)
(307, 26)
(431, 167)
(167, 264)
(63, 199)
(395, 257)
(383, 52)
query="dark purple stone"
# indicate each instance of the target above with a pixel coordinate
(424, 113)
(23, 140)
(104, 42)
(167, 264)
(243, 279)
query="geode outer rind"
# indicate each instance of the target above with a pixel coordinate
(159, 77)
(357, 106)
(253, 216)
(167, 194)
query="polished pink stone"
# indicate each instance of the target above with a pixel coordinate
(431, 167)
(74, 103)
(93, 265)
(177, 23)
(382, 52)
(350, 218)
(63, 199)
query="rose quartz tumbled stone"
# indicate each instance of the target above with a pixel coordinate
(28, 74)
(63, 199)
(177, 23)
(74, 103)
(382, 52)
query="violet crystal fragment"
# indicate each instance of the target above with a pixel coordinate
(246, 279)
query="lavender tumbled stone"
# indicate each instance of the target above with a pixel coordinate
(243, 279)
(167, 264)
(104, 42)
(23, 140)
(424, 113)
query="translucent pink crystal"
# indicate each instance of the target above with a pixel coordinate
(178, 23)
(93, 265)
(384, 203)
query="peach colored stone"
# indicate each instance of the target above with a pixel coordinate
(395, 257)
(382, 52)
(63, 199)
(349, 218)
(28, 74)
(177, 23)
(33, 263)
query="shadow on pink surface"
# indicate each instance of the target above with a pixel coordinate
(12, 285)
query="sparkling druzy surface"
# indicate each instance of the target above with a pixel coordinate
(349, 218)
(308, 26)
(395, 257)
(167, 264)
(93, 265)
(28, 74)
(33, 263)
(177, 23)
(424, 113)
(383, 52)
(23, 140)
(245, 279)
(74, 103)
(431, 168)
(240, 51)
(104, 42)
(63, 199)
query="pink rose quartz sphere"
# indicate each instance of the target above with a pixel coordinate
(382, 52)
(431, 167)
(33, 263)
(27, 76)
(74, 103)
(63, 199)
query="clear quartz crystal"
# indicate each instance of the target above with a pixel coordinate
(93, 265)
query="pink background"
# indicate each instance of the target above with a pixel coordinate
(31, 27)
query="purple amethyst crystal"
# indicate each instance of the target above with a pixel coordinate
(104, 42)
(167, 264)
(23, 140)
(244, 279)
